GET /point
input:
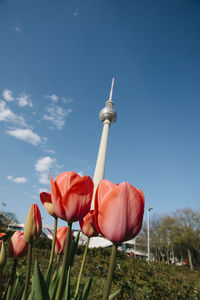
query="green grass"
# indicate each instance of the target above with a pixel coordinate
(137, 279)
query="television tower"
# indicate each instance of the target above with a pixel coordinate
(107, 116)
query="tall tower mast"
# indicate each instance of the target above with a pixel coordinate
(107, 116)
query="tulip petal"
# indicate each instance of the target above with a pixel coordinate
(141, 193)
(45, 198)
(56, 199)
(103, 188)
(18, 246)
(71, 196)
(120, 213)
(77, 200)
(65, 180)
(2, 234)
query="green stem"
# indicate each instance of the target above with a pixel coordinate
(81, 269)
(11, 280)
(28, 270)
(57, 265)
(110, 272)
(64, 264)
(49, 270)
(53, 241)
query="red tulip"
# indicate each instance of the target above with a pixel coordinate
(87, 225)
(33, 224)
(2, 234)
(45, 198)
(119, 211)
(71, 196)
(61, 239)
(18, 246)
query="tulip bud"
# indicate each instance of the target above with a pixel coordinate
(45, 198)
(2, 254)
(87, 225)
(61, 236)
(33, 224)
(18, 246)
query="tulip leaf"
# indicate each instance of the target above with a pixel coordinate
(11, 290)
(114, 295)
(39, 290)
(20, 294)
(86, 290)
(48, 275)
(54, 284)
(67, 289)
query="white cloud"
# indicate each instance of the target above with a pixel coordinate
(49, 151)
(52, 97)
(43, 166)
(24, 99)
(67, 100)
(57, 115)
(7, 95)
(6, 115)
(17, 179)
(26, 135)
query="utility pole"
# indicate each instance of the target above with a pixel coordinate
(148, 233)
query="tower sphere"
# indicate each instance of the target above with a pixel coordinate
(108, 113)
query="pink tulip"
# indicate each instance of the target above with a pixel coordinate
(118, 210)
(61, 239)
(18, 246)
(87, 225)
(33, 224)
(45, 198)
(71, 196)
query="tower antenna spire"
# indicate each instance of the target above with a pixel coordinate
(111, 90)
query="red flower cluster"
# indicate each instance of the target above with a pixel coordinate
(118, 212)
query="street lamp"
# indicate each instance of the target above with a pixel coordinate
(148, 240)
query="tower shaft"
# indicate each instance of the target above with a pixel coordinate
(101, 158)
(107, 116)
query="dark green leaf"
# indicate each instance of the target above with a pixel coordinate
(54, 285)
(86, 289)
(38, 285)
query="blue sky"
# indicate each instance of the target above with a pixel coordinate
(57, 60)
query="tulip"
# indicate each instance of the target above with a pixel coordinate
(32, 231)
(61, 239)
(119, 211)
(87, 225)
(45, 198)
(71, 196)
(18, 246)
(33, 224)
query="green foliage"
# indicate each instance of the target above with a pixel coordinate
(39, 290)
(136, 279)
